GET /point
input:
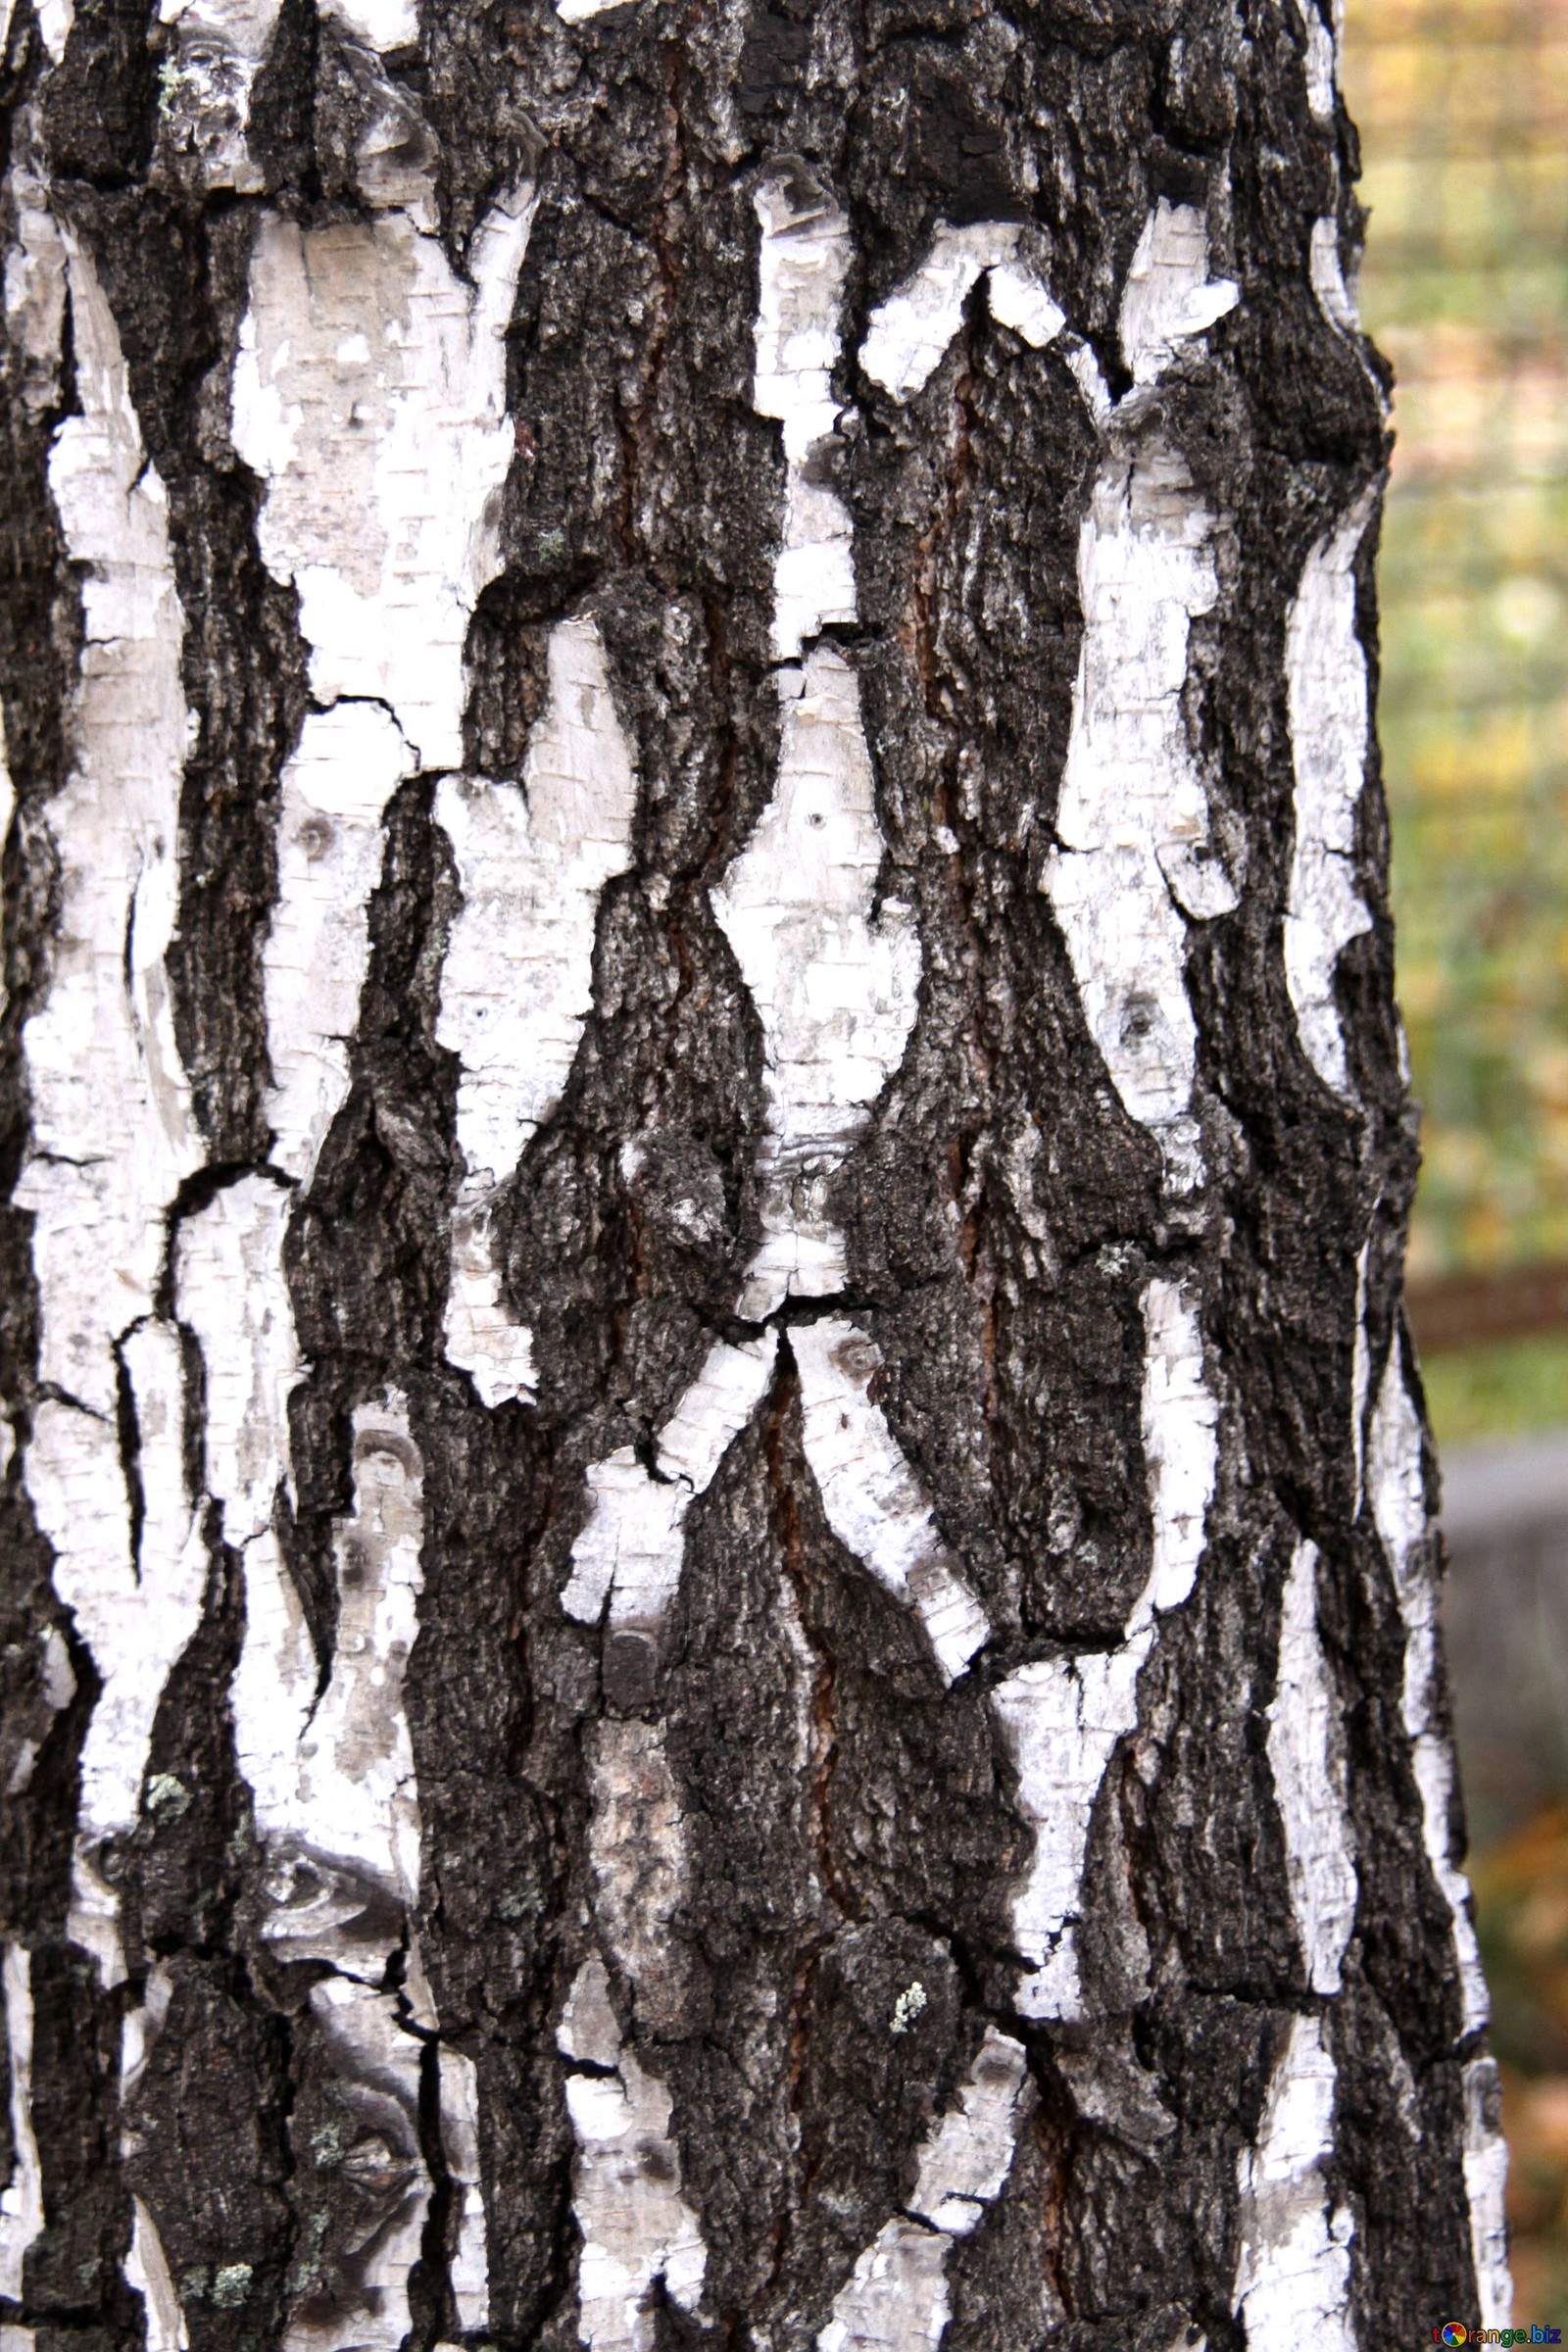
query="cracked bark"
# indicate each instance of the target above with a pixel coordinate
(719, 1577)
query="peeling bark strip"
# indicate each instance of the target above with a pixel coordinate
(722, 1610)
(1295, 2261)
(21, 2199)
(637, 2228)
(872, 1500)
(1065, 1715)
(1296, 2266)
(1399, 1508)
(516, 984)
(368, 388)
(1131, 820)
(111, 1136)
(1326, 670)
(897, 2293)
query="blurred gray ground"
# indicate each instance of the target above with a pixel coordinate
(1505, 1517)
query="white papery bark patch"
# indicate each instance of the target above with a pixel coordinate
(146, 2268)
(1322, 58)
(21, 2199)
(633, 1543)
(516, 985)
(911, 329)
(1397, 1494)
(636, 2226)
(383, 24)
(910, 332)
(1295, 2267)
(1132, 815)
(967, 2156)
(835, 983)
(1397, 1489)
(1169, 296)
(1485, 2180)
(1293, 2281)
(229, 1293)
(55, 19)
(107, 1087)
(834, 979)
(1325, 671)
(874, 1502)
(897, 2295)
(333, 1777)
(468, 2266)
(350, 761)
(1181, 1449)
(1132, 822)
(369, 396)
(1306, 1758)
(113, 1132)
(1064, 1716)
(803, 260)
(35, 274)
(1327, 274)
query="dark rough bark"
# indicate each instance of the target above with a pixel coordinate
(820, 1883)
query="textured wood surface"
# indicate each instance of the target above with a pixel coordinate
(809, 1712)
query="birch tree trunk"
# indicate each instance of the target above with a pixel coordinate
(720, 1590)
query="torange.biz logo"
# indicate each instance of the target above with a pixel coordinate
(1454, 2332)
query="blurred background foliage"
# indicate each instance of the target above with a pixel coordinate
(1462, 106)
(1498, 1390)
(1521, 1889)
(1463, 112)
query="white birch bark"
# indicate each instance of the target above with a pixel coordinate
(1326, 670)
(1064, 1716)
(517, 983)
(112, 1134)
(1295, 2268)
(897, 2293)
(1396, 1487)
(369, 411)
(21, 2199)
(1135, 861)
(636, 2226)
(1294, 2261)
(367, 394)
